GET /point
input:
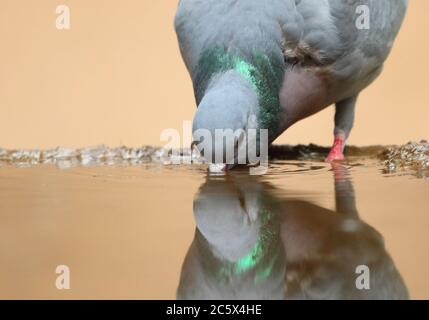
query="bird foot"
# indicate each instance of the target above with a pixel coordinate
(337, 150)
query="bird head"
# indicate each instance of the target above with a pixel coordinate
(225, 116)
(238, 107)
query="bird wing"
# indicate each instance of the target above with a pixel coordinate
(323, 32)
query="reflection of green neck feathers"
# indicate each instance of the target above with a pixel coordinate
(264, 73)
(261, 261)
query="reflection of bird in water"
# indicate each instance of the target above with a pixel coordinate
(250, 244)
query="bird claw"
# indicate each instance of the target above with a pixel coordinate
(336, 153)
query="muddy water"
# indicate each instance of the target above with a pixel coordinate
(156, 231)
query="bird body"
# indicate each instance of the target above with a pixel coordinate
(268, 64)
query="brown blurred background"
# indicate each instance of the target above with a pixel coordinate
(116, 77)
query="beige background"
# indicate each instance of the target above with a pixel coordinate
(117, 78)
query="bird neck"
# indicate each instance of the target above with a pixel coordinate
(262, 257)
(263, 72)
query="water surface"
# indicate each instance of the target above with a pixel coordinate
(155, 231)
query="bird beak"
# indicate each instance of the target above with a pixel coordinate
(193, 144)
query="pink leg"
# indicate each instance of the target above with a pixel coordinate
(344, 118)
(337, 150)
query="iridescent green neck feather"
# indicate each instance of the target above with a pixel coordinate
(263, 72)
(264, 259)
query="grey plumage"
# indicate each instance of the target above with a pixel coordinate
(315, 45)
